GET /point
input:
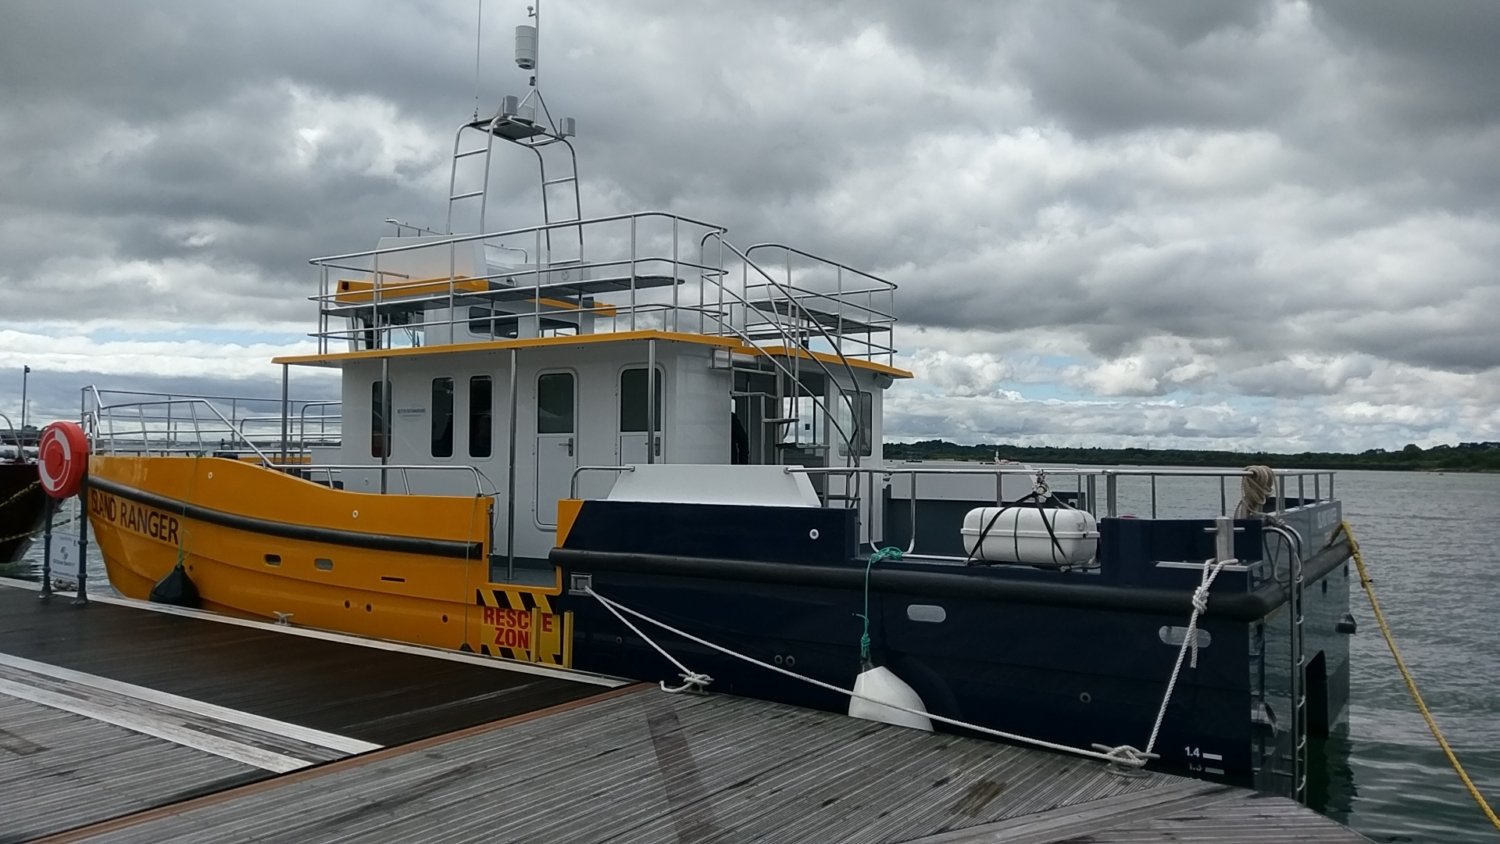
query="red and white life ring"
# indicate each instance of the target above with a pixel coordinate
(62, 455)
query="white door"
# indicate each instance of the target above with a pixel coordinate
(634, 418)
(556, 442)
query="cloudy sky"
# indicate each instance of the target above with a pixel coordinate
(1196, 223)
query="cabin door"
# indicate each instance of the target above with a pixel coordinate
(635, 419)
(556, 442)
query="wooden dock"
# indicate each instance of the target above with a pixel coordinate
(121, 723)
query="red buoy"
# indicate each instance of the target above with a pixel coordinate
(62, 455)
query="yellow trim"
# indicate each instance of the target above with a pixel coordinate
(783, 351)
(353, 290)
(596, 309)
(335, 358)
(567, 514)
(731, 343)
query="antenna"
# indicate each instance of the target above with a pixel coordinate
(528, 57)
(478, 34)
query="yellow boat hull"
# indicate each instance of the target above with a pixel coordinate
(262, 543)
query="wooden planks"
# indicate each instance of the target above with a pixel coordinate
(58, 770)
(109, 710)
(485, 754)
(365, 693)
(642, 766)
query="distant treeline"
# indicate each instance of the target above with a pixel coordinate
(1464, 457)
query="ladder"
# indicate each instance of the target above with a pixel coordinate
(1299, 678)
(468, 202)
(1297, 681)
(561, 203)
(475, 193)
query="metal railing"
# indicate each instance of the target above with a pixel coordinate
(15, 437)
(482, 485)
(573, 482)
(640, 264)
(821, 292)
(450, 276)
(1086, 485)
(138, 422)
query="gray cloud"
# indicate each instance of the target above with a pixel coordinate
(1221, 202)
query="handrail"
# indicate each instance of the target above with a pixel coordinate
(1079, 472)
(573, 483)
(107, 410)
(890, 285)
(817, 401)
(302, 418)
(852, 446)
(844, 298)
(480, 479)
(16, 438)
(545, 227)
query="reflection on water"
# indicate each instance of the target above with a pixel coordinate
(1429, 540)
(1330, 777)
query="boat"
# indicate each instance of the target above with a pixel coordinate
(628, 445)
(22, 502)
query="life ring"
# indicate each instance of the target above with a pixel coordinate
(62, 454)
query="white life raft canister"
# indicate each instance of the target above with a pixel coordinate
(1021, 534)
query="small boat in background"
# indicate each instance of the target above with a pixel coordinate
(22, 501)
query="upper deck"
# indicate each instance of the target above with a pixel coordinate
(648, 271)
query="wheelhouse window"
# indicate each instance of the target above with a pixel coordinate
(633, 408)
(481, 415)
(442, 417)
(380, 423)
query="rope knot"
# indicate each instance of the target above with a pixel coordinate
(1200, 599)
(1126, 756)
(692, 681)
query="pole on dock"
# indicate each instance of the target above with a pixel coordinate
(286, 411)
(82, 599)
(50, 507)
(20, 448)
(510, 482)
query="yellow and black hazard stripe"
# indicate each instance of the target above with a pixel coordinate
(522, 625)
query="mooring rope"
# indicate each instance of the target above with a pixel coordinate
(691, 680)
(888, 553)
(1211, 569)
(1256, 486)
(1411, 684)
(1125, 755)
(22, 491)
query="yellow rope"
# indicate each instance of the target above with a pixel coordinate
(1411, 685)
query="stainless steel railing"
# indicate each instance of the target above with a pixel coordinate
(1310, 486)
(628, 247)
(130, 421)
(482, 485)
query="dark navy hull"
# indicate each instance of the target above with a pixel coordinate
(22, 505)
(1071, 657)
